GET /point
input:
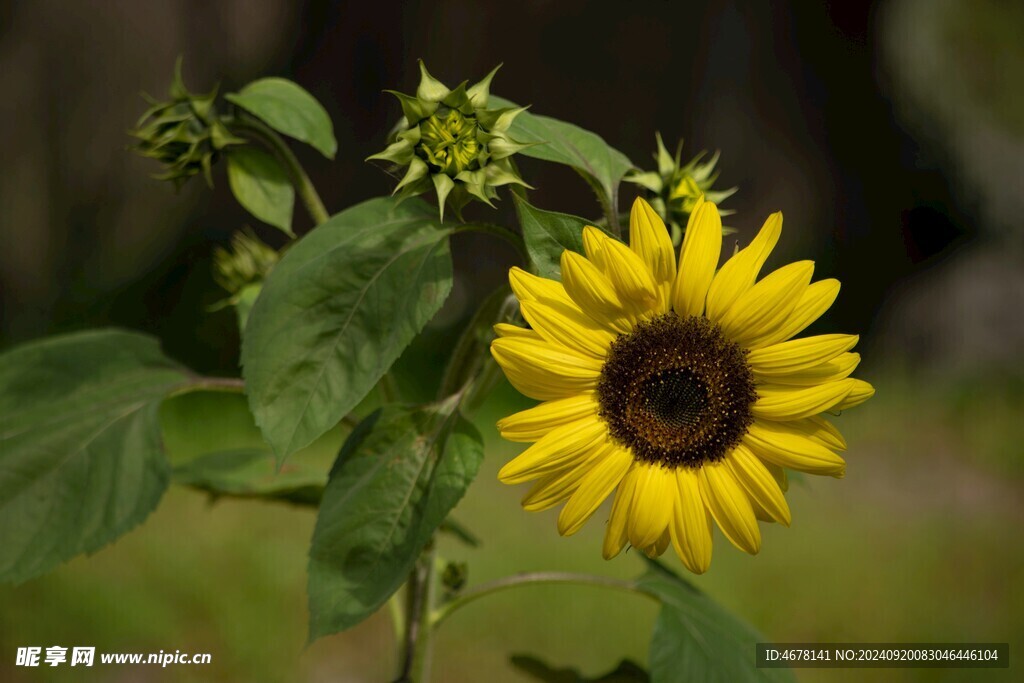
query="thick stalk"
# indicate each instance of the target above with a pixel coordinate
(418, 641)
(256, 130)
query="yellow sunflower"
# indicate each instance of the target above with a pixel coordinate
(676, 387)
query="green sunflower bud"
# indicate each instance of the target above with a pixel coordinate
(674, 188)
(449, 141)
(247, 262)
(183, 133)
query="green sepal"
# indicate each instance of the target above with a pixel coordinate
(480, 91)
(413, 108)
(430, 88)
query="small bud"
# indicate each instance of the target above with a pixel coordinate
(674, 188)
(450, 142)
(183, 133)
(455, 576)
(247, 262)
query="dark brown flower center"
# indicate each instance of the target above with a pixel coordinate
(676, 391)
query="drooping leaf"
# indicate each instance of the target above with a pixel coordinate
(288, 108)
(696, 639)
(625, 672)
(547, 234)
(261, 186)
(81, 460)
(396, 479)
(336, 312)
(565, 143)
(213, 445)
(252, 473)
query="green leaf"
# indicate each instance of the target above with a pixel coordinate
(252, 473)
(336, 312)
(565, 143)
(547, 234)
(261, 186)
(213, 445)
(81, 460)
(626, 672)
(289, 109)
(696, 639)
(396, 479)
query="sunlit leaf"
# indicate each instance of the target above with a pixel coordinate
(289, 109)
(396, 479)
(336, 312)
(696, 639)
(565, 143)
(261, 186)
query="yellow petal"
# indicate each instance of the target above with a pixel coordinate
(508, 330)
(759, 483)
(814, 301)
(840, 367)
(658, 548)
(730, 507)
(691, 525)
(820, 430)
(527, 287)
(597, 485)
(787, 446)
(616, 532)
(594, 293)
(698, 258)
(533, 423)
(567, 326)
(781, 402)
(627, 272)
(781, 478)
(762, 309)
(649, 238)
(861, 392)
(740, 272)
(652, 505)
(567, 446)
(551, 489)
(797, 354)
(544, 371)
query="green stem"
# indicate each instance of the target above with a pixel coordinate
(514, 580)
(501, 232)
(199, 383)
(418, 642)
(259, 132)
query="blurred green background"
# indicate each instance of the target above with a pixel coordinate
(891, 134)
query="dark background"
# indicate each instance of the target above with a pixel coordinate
(817, 108)
(891, 135)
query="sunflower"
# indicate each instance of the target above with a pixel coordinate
(674, 386)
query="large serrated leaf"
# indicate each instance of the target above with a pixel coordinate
(696, 639)
(81, 460)
(396, 479)
(336, 312)
(568, 144)
(261, 186)
(547, 234)
(288, 108)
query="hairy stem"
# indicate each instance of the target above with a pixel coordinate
(418, 642)
(526, 578)
(257, 131)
